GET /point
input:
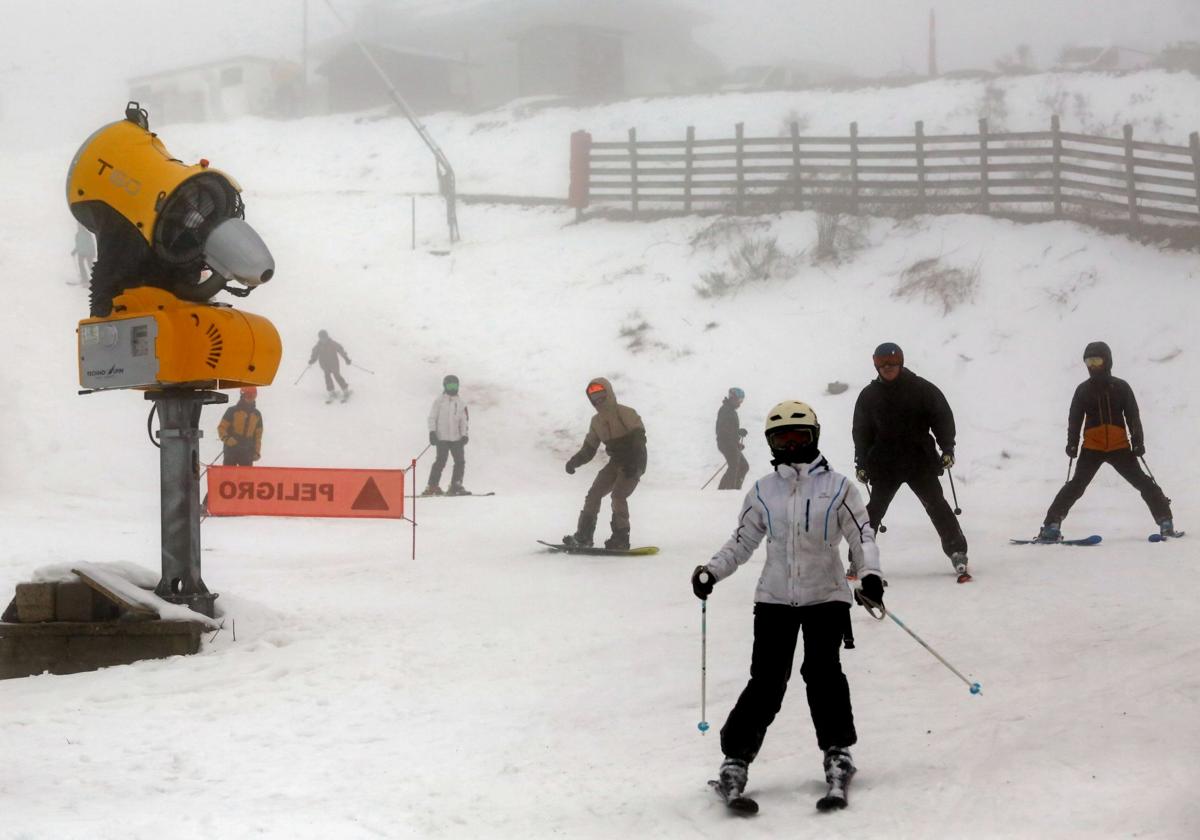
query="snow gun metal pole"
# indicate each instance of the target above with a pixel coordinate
(872, 607)
(445, 172)
(703, 724)
(301, 376)
(720, 470)
(957, 509)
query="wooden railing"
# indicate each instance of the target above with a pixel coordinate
(1051, 172)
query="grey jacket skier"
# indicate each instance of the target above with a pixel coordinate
(804, 509)
(449, 422)
(326, 352)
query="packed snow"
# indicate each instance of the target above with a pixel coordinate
(491, 689)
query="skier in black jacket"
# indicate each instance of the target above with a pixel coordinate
(1103, 406)
(892, 446)
(729, 441)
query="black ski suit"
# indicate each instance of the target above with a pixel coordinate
(729, 442)
(892, 442)
(1103, 407)
(326, 352)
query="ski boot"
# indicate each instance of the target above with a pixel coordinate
(1166, 528)
(730, 785)
(839, 769)
(959, 560)
(458, 490)
(619, 540)
(330, 396)
(1049, 533)
(345, 394)
(432, 490)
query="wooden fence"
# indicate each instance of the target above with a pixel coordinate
(1045, 172)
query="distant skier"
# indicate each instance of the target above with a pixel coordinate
(448, 425)
(729, 441)
(84, 253)
(326, 351)
(1103, 406)
(620, 429)
(804, 509)
(892, 446)
(241, 430)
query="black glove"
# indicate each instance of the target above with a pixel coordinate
(741, 432)
(464, 439)
(571, 465)
(1139, 449)
(433, 438)
(948, 459)
(861, 474)
(350, 363)
(703, 581)
(872, 589)
(1072, 450)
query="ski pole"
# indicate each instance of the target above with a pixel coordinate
(720, 469)
(360, 367)
(1147, 466)
(882, 528)
(301, 376)
(703, 724)
(1070, 461)
(975, 687)
(957, 509)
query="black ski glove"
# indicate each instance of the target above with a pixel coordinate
(872, 589)
(464, 440)
(433, 439)
(861, 474)
(1139, 449)
(703, 581)
(1072, 450)
(572, 464)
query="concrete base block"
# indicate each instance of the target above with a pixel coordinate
(35, 602)
(71, 647)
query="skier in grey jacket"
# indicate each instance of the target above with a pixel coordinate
(449, 422)
(804, 509)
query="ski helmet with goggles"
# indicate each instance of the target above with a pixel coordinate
(450, 382)
(793, 432)
(888, 353)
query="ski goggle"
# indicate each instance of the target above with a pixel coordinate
(594, 389)
(1094, 362)
(451, 386)
(791, 436)
(891, 360)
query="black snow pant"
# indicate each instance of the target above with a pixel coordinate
(775, 630)
(1125, 463)
(332, 374)
(928, 489)
(444, 448)
(736, 468)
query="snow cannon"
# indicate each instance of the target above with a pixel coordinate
(169, 237)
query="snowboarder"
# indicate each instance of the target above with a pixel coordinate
(892, 446)
(241, 430)
(84, 253)
(448, 421)
(1103, 407)
(621, 431)
(326, 351)
(805, 509)
(729, 441)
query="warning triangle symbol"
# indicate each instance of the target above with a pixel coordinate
(369, 498)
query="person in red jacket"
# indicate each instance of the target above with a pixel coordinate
(1104, 408)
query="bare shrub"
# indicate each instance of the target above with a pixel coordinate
(752, 259)
(936, 282)
(840, 233)
(725, 231)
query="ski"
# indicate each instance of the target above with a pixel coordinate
(1165, 537)
(742, 805)
(1094, 539)
(601, 550)
(448, 495)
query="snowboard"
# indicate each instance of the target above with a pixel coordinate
(1094, 539)
(601, 550)
(742, 805)
(1164, 538)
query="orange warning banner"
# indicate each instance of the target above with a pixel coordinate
(300, 491)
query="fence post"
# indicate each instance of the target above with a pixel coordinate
(798, 189)
(1130, 175)
(579, 193)
(633, 173)
(854, 167)
(920, 144)
(984, 204)
(741, 176)
(1056, 139)
(1194, 143)
(687, 169)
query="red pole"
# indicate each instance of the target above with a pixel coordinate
(581, 165)
(414, 511)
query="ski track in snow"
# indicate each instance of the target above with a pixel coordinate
(492, 689)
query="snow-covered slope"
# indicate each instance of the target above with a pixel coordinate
(489, 690)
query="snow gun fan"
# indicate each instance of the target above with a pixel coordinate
(169, 237)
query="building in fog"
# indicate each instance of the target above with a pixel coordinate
(486, 53)
(219, 90)
(1110, 58)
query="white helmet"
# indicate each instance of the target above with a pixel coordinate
(791, 413)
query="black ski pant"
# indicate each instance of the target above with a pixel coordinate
(332, 374)
(1125, 463)
(928, 489)
(776, 628)
(444, 448)
(736, 468)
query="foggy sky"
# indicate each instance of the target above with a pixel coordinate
(64, 63)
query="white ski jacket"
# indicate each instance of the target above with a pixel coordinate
(449, 418)
(804, 511)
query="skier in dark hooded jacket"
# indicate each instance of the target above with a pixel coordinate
(1104, 408)
(326, 352)
(729, 441)
(893, 419)
(620, 429)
